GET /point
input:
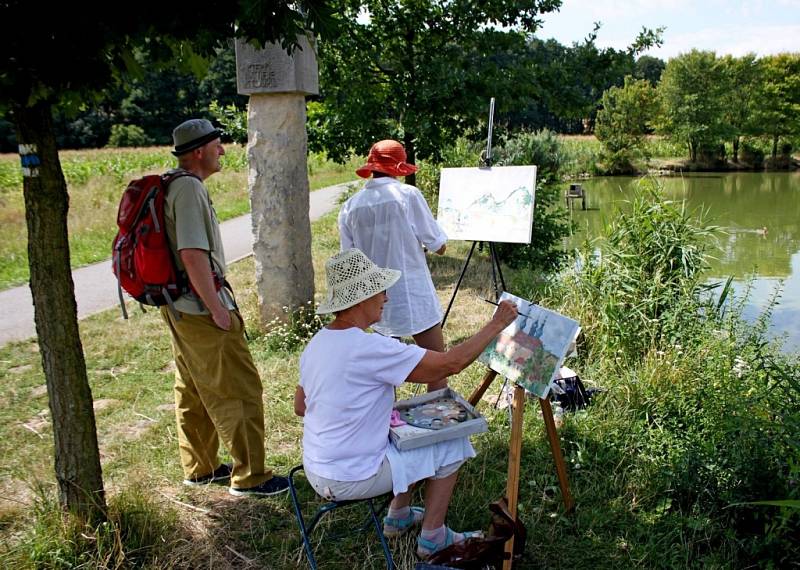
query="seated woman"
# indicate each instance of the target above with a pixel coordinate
(346, 395)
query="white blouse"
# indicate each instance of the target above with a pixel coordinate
(390, 222)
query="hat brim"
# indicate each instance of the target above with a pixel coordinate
(402, 169)
(197, 143)
(390, 278)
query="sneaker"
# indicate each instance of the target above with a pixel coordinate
(269, 487)
(221, 474)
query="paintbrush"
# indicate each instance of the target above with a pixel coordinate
(498, 304)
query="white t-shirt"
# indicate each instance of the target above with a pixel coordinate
(349, 377)
(390, 222)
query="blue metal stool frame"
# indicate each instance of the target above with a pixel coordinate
(372, 520)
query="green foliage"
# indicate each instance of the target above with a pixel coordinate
(544, 149)
(571, 79)
(294, 330)
(128, 135)
(623, 122)
(704, 411)
(419, 72)
(649, 68)
(691, 92)
(232, 119)
(741, 76)
(778, 109)
(651, 258)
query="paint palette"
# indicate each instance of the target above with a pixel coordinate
(437, 414)
(434, 417)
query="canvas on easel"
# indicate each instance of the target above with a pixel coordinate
(530, 351)
(487, 204)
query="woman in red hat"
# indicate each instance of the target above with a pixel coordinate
(392, 223)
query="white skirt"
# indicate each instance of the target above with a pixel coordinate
(414, 465)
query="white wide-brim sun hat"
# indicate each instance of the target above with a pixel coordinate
(352, 278)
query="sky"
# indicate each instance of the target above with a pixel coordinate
(729, 27)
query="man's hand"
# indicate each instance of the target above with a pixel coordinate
(506, 313)
(222, 319)
(198, 267)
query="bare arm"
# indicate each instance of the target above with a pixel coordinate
(199, 270)
(300, 402)
(437, 365)
(441, 250)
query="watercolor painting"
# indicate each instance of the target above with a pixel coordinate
(529, 352)
(487, 204)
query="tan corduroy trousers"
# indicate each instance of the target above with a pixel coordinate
(217, 397)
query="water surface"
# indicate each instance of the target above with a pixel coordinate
(760, 216)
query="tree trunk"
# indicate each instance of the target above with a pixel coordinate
(77, 458)
(774, 147)
(693, 151)
(736, 149)
(408, 142)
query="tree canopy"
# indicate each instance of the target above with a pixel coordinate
(420, 72)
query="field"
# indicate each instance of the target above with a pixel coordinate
(96, 179)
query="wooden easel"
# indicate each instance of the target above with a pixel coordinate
(515, 451)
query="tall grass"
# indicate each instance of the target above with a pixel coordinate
(700, 411)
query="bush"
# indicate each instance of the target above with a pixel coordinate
(128, 135)
(294, 330)
(751, 154)
(704, 410)
(550, 225)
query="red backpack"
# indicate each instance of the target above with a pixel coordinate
(141, 257)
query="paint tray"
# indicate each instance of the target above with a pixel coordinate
(411, 437)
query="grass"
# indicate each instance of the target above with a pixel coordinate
(96, 179)
(641, 500)
(697, 415)
(130, 370)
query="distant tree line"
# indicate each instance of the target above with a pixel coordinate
(703, 101)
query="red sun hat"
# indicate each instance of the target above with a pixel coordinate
(388, 157)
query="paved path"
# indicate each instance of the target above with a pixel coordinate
(96, 286)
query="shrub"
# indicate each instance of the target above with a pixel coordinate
(751, 154)
(128, 135)
(704, 410)
(295, 329)
(550, 225)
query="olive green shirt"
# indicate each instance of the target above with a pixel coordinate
(192, 224)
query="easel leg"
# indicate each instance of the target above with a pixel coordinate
(514, 458)
(478, 393)
(555, 448)
(458, 283)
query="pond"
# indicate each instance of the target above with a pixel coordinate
(760, 242)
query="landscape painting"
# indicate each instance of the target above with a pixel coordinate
(488, 204)
(529, 352)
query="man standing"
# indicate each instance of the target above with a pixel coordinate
(217, 387)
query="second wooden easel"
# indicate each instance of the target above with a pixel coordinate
(515, 451)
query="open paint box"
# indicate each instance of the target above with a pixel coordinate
(437, 416)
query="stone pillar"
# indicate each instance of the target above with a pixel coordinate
(278, 172)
